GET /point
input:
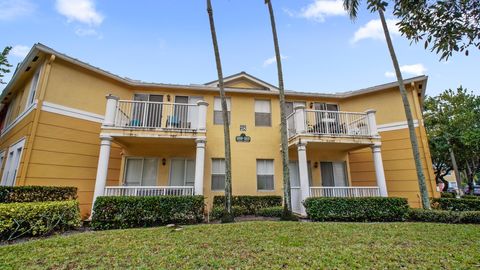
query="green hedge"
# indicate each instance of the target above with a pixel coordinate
(217, 211)
(447, 195)
(36, 194)
(276, 211)
(453, 204)
(251, 203)
(37, 218)
(442, 216)
(357, 209)
(473, 197)
(130, 212)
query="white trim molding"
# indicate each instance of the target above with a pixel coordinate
(395, 126)
(19, 118)
(71, 112)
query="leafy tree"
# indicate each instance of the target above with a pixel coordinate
(452, 120)
(4, 65)
(379, 6)
(287, 202)
(228, 215)
(446, 26)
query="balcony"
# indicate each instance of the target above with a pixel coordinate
(344, 192)
(140, 191)
(153, 119)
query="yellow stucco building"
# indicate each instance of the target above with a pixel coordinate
(67, 123)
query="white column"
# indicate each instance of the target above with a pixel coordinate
(299, 119)
(379, 172)
(372, 123)
(202, 115)
(199, 166)
(303, 169)
(102, 168)
(110, 110)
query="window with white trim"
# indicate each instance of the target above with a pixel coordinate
(140, 171)
(265, 175)
(263, 113)
(182, 172)
(218, 174)
(33, 89)
(2, 158)
(217, 110)
(14, 155)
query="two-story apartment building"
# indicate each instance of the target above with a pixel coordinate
(67, 123)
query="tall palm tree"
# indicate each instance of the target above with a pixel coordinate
(287, 202)
(228, 213)
(351, 6)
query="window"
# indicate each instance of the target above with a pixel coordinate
(218, 174)
(217, 111)
(141, 171)
(33, 88)
(182, 172)
(265, 174)
(295, 174)
(151, 113)
(325, 106)
(334, 174)
(263, 115)
(2, 157)
(11, 166)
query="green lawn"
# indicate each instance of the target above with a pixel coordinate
(265, 244)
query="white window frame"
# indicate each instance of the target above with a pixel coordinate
(8, 164)
(185, 160)
(33, 88)
(269, 111)
(217, 107)
(212, 174)
(141, 173)
(2, 158)
(273, 174)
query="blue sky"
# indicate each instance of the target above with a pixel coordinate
(169, 42)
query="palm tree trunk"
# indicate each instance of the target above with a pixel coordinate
(228, 216)
(408, 113)
(287, 202)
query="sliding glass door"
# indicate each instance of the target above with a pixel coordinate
(334, 174)
(141, 171)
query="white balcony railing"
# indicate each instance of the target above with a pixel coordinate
(160, 115)
(344, 192)
(331, 123)
(149, 191)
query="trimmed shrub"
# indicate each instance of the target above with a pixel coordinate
(36, 194)
(217, 211)
(356, 209)
(276, 211)
(121, 212)
(251, 203)
(456, 204)
(442, 216)
(472, 197)
(447, 195)
(37, 218)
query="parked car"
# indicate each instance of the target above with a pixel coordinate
(476, 190)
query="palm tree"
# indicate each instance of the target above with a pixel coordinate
(228, 213)
(351, 6)
(287, 203)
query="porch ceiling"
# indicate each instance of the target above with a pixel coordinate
(128, 142)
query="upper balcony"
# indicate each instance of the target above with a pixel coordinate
(154, 119)
(332, 126)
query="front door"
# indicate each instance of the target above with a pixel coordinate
(11, 165)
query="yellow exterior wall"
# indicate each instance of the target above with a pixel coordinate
(64, 151)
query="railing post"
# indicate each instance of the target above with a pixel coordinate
(300, 119)
(110, 110)
(372, 123)
(202, 115)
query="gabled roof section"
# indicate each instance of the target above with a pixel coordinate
(245, 81)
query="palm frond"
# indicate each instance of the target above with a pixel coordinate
(351, 6)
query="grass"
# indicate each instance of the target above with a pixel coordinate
(268, 245)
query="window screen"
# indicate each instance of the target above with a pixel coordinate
(218, 174)
(263, 115)
(265, 179)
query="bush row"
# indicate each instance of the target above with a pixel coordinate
(357, 209)
(443, 216)
(130, 212)
(36, 194)
(37, 218)
(249, 204)
(453, 204)
(276, 211)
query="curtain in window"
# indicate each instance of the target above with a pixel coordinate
(263, 113)
(265, 174)
(218, 174)
(217, 111)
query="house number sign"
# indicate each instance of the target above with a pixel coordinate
(243, 138)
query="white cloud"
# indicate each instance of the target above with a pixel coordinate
(374, 30)
(12, 9)
(82, 11)
(272, 60)
(320, 9)
(83, 32)
(416, 70)
(20, 51)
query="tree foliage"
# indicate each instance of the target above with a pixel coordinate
(446, 26)
(4, 65)
(452, 120)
